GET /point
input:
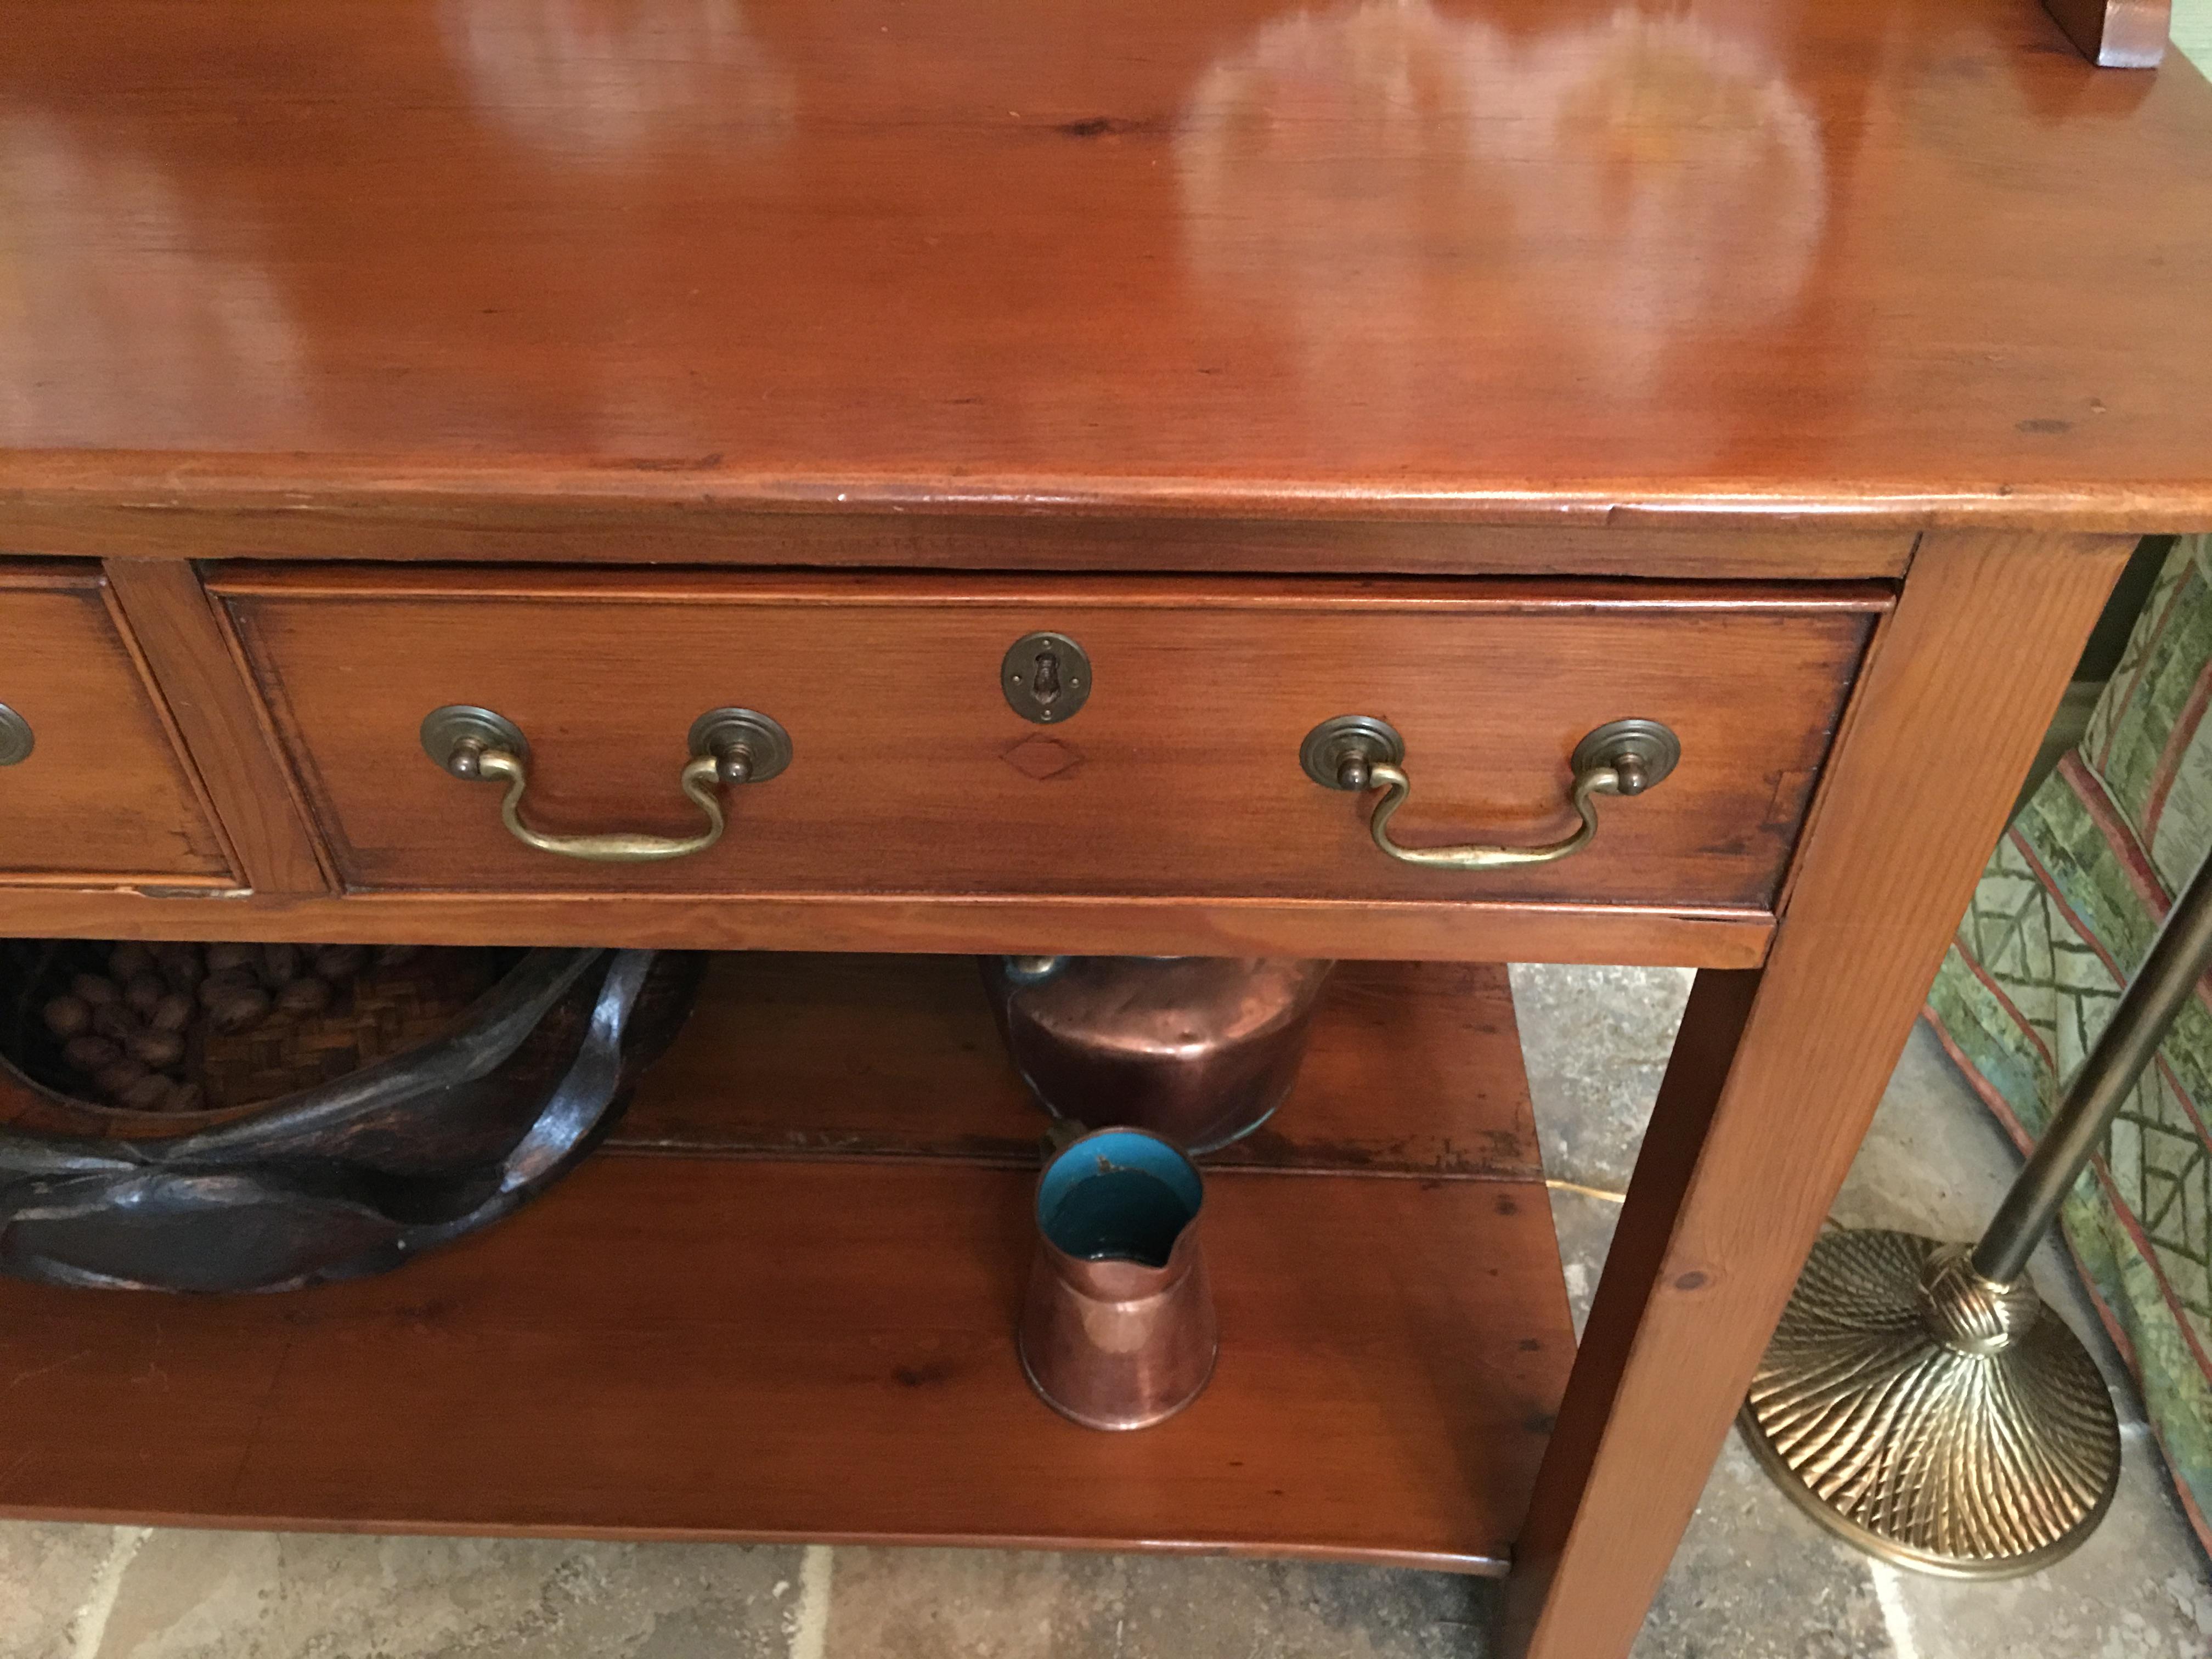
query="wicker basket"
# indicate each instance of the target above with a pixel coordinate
(384, 1010)
(428, 1101)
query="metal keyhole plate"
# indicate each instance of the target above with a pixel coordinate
(1046, 677)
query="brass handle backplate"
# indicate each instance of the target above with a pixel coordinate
(728, 746)
(1358, 752)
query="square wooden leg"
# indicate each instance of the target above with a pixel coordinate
(1778, 1070)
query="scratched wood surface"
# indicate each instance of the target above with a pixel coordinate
(1899, 261)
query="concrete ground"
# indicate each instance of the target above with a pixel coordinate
(1754, 1580)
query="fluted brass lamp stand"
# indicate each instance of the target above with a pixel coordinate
(1917, 1397)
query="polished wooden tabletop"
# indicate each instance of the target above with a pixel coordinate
(1911, 261)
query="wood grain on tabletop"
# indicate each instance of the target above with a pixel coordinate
(1777, 1074)
(1909, 259)
(105, 793)
(1180, 775)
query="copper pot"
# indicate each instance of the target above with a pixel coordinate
(1200, 1049)
(1118, 1331)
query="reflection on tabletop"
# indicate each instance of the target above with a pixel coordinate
(794, 244)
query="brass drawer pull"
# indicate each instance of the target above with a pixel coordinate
(728, 746)
(1357, 752)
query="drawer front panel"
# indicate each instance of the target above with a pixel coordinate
(1179, 774)
(103, 793)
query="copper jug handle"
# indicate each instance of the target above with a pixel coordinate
(728, 746)
(1357, 752)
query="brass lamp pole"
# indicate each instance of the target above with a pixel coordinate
(1917, 1397)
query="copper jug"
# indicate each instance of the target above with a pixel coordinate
(1200, 1049)
(1118, 1331)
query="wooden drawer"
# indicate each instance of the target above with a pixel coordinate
(1180, 775)
(104, 792)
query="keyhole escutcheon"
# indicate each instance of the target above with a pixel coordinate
(1044, 683)
(1046, 677)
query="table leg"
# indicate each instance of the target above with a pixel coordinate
(1778, 1070)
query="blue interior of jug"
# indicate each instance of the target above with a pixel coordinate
(1120, 1195)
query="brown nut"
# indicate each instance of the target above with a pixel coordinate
(229, 982)
(149, 1094)
(116, 1021)
(119, 1074)
(159, 1049)
(182, 965)
(187, 1097)
(235, 1011)
(336, 963)
(130, 957)
(68, 1017)
(228, 958)
(143, 994)
(280, 964)
(305, 996)
(173, 1012)
(99, 992)
(89, 1053)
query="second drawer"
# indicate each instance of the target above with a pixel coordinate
(911, 769)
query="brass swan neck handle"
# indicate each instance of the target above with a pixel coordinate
(728, 746)
(1358, 752)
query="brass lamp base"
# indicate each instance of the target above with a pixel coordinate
(1933, 1418)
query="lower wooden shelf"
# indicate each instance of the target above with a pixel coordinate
(685, 1343)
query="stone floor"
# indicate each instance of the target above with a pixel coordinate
(1754, 1579)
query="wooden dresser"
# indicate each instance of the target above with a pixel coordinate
(1038, 423)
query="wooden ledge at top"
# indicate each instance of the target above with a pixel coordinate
(622, 529)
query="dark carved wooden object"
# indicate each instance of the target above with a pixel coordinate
(350, 1177)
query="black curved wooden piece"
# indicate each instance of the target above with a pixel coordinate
(357, 1176)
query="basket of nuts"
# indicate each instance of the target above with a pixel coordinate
(226, 1117)
(188, 1028)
